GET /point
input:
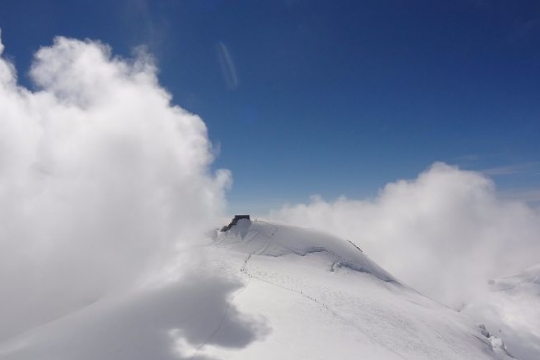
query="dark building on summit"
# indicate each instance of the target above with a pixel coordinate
(235, 221)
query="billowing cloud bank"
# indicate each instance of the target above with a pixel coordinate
(100, 178)
(445, 233)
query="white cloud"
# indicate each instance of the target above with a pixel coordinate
(445, 233)
(100, 179)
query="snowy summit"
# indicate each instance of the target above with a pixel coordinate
(264, 291)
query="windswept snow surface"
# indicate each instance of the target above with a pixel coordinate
(292, 294)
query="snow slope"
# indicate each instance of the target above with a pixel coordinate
(263, 291)
(511, 310)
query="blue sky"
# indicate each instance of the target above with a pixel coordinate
(328, 97)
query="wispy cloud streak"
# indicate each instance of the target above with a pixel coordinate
(522, 168)
(226, 63)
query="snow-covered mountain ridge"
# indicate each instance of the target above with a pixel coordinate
(528, 280)
(263, 291)
(266, 239)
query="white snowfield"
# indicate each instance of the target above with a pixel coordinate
(264, 291)
(511, 310)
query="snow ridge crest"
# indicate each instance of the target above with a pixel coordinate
(259, 237)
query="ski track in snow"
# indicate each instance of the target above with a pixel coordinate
(223, 318)
(271, 261)
(244, 270)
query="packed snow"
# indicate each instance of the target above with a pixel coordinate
(291, 293)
